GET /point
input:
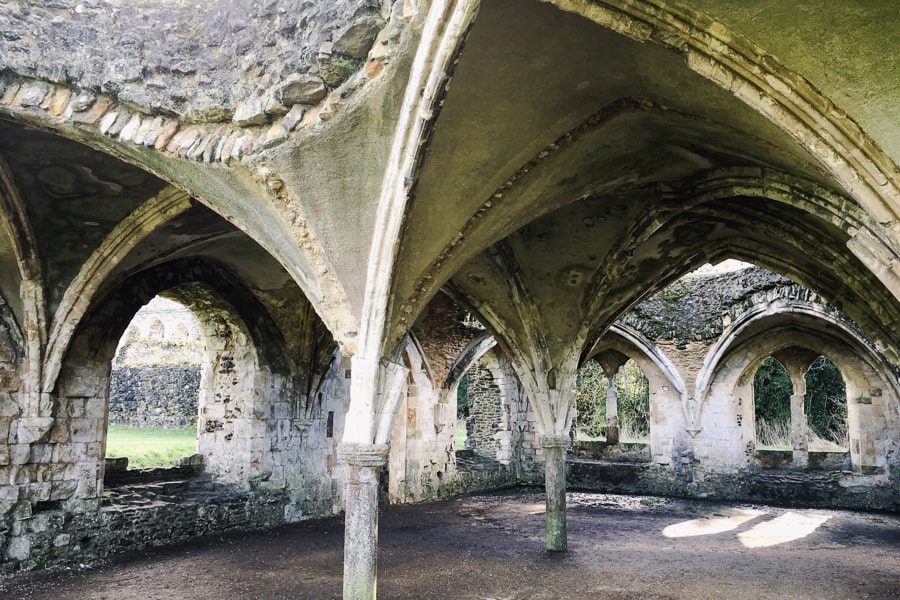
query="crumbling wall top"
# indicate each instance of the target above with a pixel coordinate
(194, 59)
(698, 307)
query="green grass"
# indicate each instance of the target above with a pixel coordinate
(461, 438)
(150, 447)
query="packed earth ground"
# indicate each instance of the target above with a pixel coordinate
(491, 547)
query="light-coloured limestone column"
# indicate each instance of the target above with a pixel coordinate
(555, 483)
(799, 427)
(797, 361)
(364, 463)
(612, 411)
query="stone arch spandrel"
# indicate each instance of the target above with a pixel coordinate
(255, 200)
(744, 324)
(468, 357)
(103, 262)
(670, 415)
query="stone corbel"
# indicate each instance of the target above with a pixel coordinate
(691, 409)
(33, 429)
(36, 422)
(393, 381)
(440, 415)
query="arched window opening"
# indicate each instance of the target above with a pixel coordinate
(632, 392)
(825, 405)
(772, 391)
(154, 387)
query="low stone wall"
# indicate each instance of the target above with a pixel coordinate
(61, 535)
(162, 397)
(790, 487)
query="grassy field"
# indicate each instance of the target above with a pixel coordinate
(151, 447)
(461, 438)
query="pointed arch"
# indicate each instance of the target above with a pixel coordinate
(756, 78)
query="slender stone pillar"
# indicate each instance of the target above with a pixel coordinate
(555, 482)
(612, 411)
(799, 428)
(364, 463)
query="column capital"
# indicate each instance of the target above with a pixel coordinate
(555, 441)
(363, 455)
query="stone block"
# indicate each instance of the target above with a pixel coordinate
(19, 454)
(8, 406)
(88, 487)
(61, 490)
(33, 429)
(59, 434)
(64, 453)
(76, 407)
(38, 492)
(19, 548)
(41, 453)
(95, 408)
(8, 493)
(87, 430)
(21, 511)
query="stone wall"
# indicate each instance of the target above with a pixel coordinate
(57, 532)
(444, 330)
(270, 450)
(484, 411)
(162, 397)
(235, 60)
(785, 486)
(692, 308)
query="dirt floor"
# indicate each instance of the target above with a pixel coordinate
(490, 547)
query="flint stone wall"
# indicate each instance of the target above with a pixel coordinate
(485, 411)
(197, 59)
(787, 486)
(54, 534)
(160, 397)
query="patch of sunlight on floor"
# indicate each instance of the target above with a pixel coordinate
(788, 527)
(733, 519)
(533, 509)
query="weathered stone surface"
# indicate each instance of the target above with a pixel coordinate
(356, 39)
(692, 310)
(303, 89)
(165, 49)
(249, 112)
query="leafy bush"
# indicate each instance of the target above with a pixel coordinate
(633, 401)
(825, 405)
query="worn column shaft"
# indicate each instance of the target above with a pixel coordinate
(364, 463)
(799, 440)
(555, 483)
(612, 412)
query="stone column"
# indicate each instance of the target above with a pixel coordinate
(364, 463)
(799, 437)
(612, 411)
(555, 482)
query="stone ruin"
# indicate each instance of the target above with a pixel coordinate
(361, 201)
